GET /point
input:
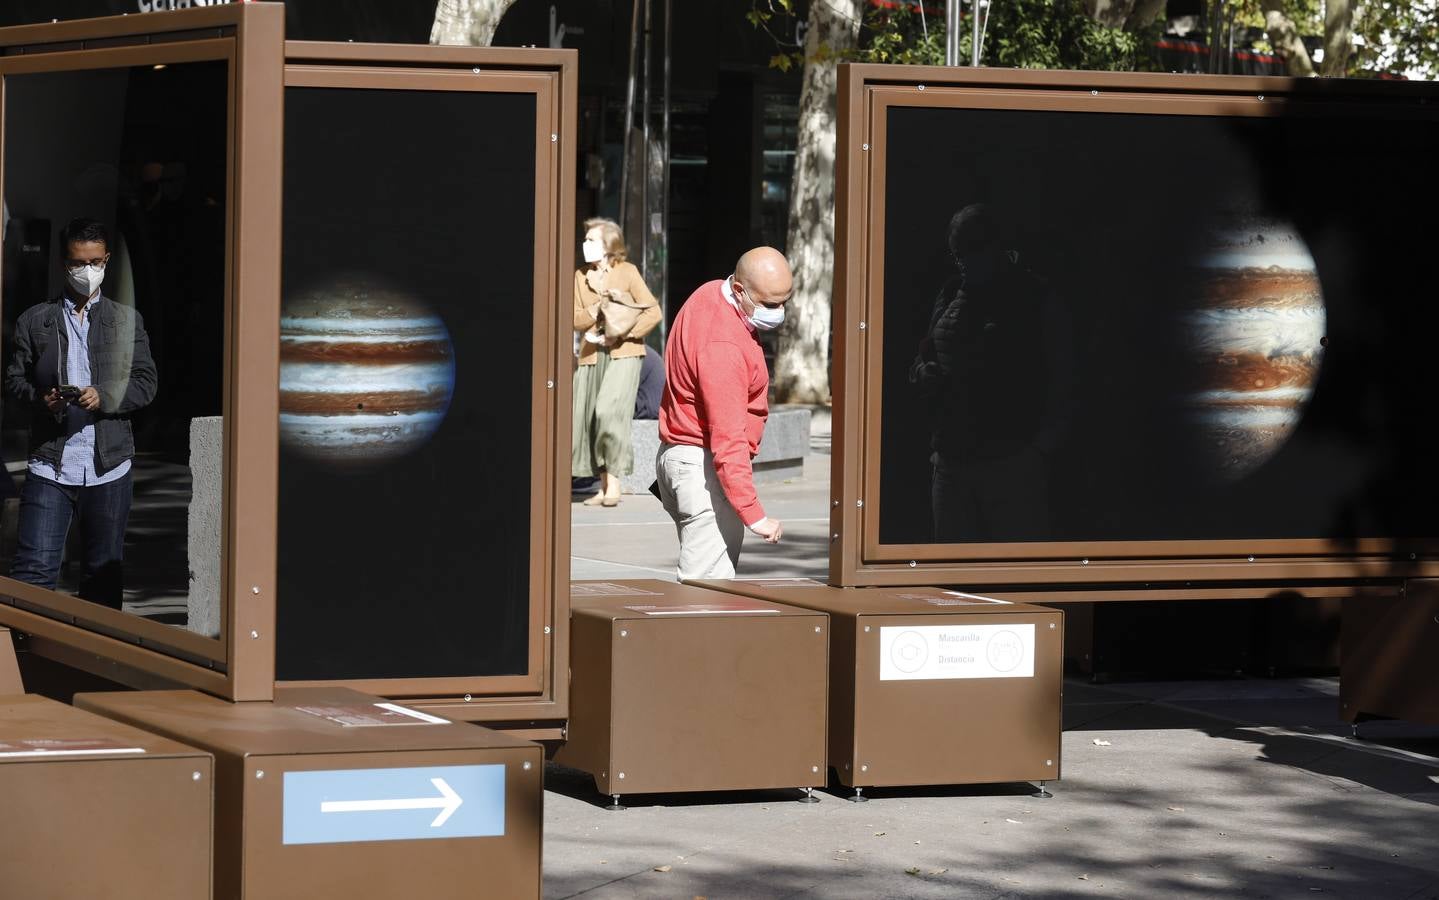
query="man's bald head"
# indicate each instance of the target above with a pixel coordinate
(764, 275)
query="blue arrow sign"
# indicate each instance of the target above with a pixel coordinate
(345, 805)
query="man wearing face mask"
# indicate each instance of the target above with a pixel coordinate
(995, 367)
(712, 417)
(83, 363)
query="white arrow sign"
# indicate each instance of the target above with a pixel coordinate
(446, 803)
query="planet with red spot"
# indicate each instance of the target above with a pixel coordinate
(1255, 324)
(367, 373)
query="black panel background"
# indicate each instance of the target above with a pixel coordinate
(419, 568)
(1104, 207)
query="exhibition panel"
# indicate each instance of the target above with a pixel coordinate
(327, 792)
(1048, 378)
(679, 688)
(932, 686)
(419, 386)
(179, 172)
(96, 808)
(296, 340)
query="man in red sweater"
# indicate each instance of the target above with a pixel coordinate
(712, 416)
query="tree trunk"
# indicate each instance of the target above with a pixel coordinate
(802, 361)
(1338, 37)
(1285, 38)
(468, 23)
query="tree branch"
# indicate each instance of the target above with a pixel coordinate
(1285, 37)
(1338, 37)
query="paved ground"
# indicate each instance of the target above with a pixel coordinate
(1240, 787)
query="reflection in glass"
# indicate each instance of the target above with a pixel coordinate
(113, 309)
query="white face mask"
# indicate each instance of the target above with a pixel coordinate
(85, 280)
(594, 251)
(765, 319)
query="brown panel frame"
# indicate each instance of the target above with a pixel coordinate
(857, 557)
(237, 664)
(540, 695)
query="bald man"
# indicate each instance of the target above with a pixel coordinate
(712, 417)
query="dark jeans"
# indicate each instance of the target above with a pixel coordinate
(46, 510)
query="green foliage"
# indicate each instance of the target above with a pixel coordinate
(1028, 34)
(1059, 34)
(1398, 37)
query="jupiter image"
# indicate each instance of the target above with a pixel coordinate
(1256, 327)
(367, 373)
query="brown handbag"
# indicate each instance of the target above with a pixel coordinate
(619, 314)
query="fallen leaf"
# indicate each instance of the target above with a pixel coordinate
(937, 871)
(662, 868)
(1014, 821)
(1176, 809)
(1101, 743)
(1330, 868)
(879, 834)
(916, 842)
(844, 851)
(911, 871)
(1084, 878)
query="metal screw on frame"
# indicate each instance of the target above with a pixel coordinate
(863, 326)
(624, 633)
(255, 589)
(527, 765)
(816, 629)
(259, 773)
(254, 635)
(554, 138)
(195, 776)
(550, 385)
(921, 87)
(866, 628)
(468, 698)
(913, 564)
(858, 504)
(547, 629)
(864, 146)
(475, 70)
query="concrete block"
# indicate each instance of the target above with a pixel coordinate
(781, 451)
(207, 487)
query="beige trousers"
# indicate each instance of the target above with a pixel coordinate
(710, 531)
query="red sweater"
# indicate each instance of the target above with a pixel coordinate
(717, 392)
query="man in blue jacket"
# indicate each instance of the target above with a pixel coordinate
(83, 363)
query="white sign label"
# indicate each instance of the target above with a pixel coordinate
(927, 652)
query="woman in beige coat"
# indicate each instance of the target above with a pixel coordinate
(608, 374)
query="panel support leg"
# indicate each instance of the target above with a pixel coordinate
(858, 796)
(1042, 793)
(808, 797)
(614, 803)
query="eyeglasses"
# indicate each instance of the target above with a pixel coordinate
(98, 262)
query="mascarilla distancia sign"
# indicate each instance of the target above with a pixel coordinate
(926, 652)
(167, 5)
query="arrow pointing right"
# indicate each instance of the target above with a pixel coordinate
(446, 803)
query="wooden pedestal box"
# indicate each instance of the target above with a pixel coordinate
(327, 792)
(1389, 666)
(678, 688)
(929, 686)
(91, 808)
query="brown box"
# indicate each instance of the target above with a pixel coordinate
(94, 808)
(324, 793)
(929, 686)
(10, 682)
(1388, 667)
(678, 688)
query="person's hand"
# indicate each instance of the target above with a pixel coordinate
(89, 399)
(54, 402)
(769, 529)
